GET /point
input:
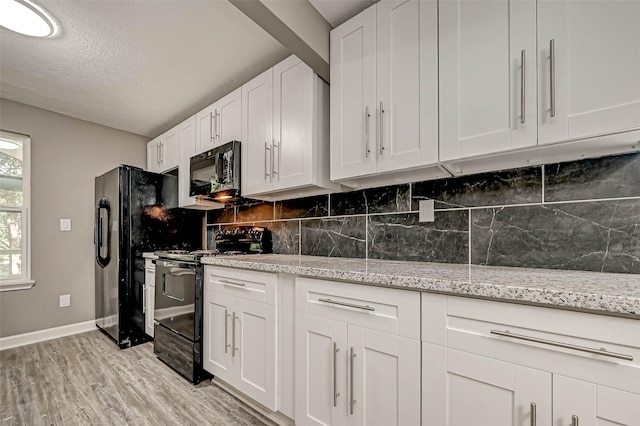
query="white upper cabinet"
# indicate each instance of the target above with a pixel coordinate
(257, 122)
(384, 89)
(219, 123)
(353, 96)
(487, 76)
(163, 152)
(519, 73)
(590, 83)
(153, 154)
(285, 133)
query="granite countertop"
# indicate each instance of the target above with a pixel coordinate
(605, 293)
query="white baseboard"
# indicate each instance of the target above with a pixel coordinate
(48, 334)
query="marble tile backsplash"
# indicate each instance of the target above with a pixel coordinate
(579, 215)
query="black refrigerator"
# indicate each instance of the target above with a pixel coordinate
(135, 212)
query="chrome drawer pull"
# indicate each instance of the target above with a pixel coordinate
(233, 284)
(352, 401)
(575, 420)
(336, 394)
(601, 351)
(350, 305)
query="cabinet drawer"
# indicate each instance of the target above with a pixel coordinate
(590, 347)
(250, 285)
(385, 309)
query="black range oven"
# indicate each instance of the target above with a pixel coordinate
(178, 313)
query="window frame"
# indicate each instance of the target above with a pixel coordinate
(25, 281)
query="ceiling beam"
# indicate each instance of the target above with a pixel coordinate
(288, 26)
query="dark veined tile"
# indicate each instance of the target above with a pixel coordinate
(303, 207)
(605, 177)
(514, 186)
(592, 236)
(402, 237)
(225, 215)
(211, 236)
(385, 199)
(285, 236)
(334, 237)
(254, 212)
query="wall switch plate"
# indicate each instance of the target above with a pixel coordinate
(65, 300)
(65, 224)
(426, 211)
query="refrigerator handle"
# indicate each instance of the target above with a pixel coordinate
(106, 205)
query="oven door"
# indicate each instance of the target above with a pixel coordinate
(175, 296)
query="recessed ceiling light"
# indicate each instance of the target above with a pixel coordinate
(26, 17)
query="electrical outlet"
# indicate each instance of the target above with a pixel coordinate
(65, 224)
(65, 300)
(426, 211)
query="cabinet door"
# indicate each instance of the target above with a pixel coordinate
(597, 64)
(481, 51)
(205, 132)
(257, 139)
(353, 96)
(321, 371)
(153, 155)
(399, 61)
(463, 389)
(588, 404)
(219, 350)
(170, 150)
(255, 363)
(187, 150)
(293, 103)
(229, 118)
(384, 373)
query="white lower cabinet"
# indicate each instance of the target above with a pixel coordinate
(500, 364)
(347, 373)
(240, 339)
(149, 292)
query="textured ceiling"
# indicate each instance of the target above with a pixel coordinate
(139, 66)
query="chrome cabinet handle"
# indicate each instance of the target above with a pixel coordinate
(336, 394)
(381, 129)
(366, 132)
(226, 331)
(266, 167)
(158, 154)
(233, 335)
(350, 305)
(552, 77)
(233, 284)
(534, 414)
(273, 155)
(601, 351)
(352, 401)
(218, 125)
(161, 152)
(211, 118)
(144, 298)
(575, 420)
(523, 60)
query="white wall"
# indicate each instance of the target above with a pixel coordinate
(66, 155)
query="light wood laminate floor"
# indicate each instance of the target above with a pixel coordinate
(86, 380)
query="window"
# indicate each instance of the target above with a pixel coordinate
(15, 271)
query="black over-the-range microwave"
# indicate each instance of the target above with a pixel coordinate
(215, 174)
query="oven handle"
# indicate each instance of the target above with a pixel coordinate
(164, 289)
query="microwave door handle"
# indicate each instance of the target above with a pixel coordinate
(220, 166)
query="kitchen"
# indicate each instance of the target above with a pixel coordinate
(534, 217)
